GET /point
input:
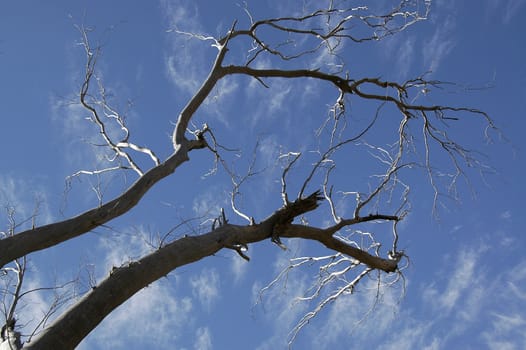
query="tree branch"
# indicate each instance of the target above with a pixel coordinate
(216, 73)
(46, 236)
(123, 282)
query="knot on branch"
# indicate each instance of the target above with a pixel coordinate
(285, 215)
(299, 207)
(396, 255)
(219, 221)
(240, 249)
(10, 338)
(199, 142)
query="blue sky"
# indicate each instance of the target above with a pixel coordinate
(465, 286)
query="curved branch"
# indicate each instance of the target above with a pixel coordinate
(216, 73)
(351, 86)
(328, 27)
(46, 236)
(123, 282)
(326, 237)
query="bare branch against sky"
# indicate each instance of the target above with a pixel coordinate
(261, 176)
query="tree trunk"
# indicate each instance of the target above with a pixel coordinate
(123, 282)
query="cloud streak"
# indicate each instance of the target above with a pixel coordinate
(506, 9)
(468, 296)
(203, 339)
(439, 45)
(205, 287)
(456, 310)
(25, 199)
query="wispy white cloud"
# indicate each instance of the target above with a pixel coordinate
(456, 228)
(439, 45)
(458, 307)
(501, 345)
(277, 101)
(209, 203)
(464, 293)
(269, 148)
(516, 282)
(239, 267)
(205, 287)
(271, 103)
(184, 61)
(465, 296)
(351, 316)
(506, 9)
(461, 279)
(189, 57)
(221, 100)
(518, 292)
(506, 323)
(72, 120)
(511, 9)
(187, 81)
(414, 336)
(26, 199)
(203, 339)
(327, 59)
(507, 329)
(405, 55)
(122, 247)
(278, 303)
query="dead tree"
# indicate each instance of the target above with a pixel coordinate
(290, 53)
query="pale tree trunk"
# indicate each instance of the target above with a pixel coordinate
(123, 282)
